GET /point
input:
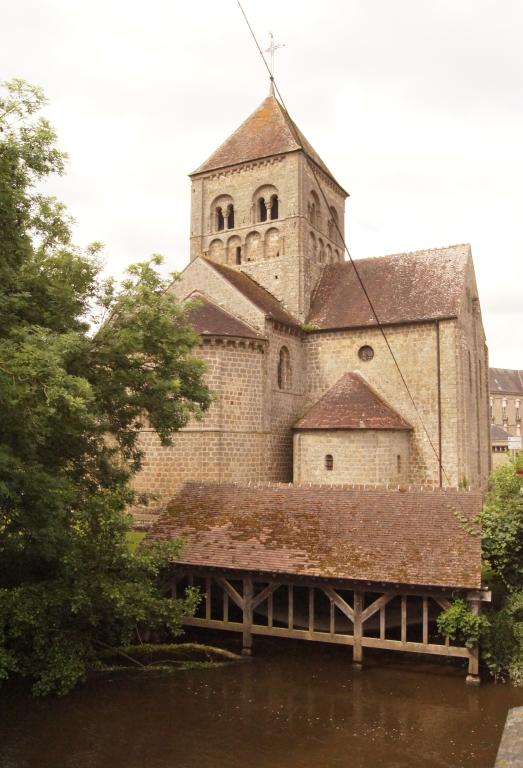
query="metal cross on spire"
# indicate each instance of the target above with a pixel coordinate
(271, 49)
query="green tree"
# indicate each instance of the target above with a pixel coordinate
(72, 401)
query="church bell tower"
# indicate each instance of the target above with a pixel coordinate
(256, 207)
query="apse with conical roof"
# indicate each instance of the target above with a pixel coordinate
(256, 208)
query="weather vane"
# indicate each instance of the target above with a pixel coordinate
(272, 47)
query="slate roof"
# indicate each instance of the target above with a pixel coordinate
(268, 131)
(364, 534)
(351, 404)
(505, 380)
(264, 300)
(405, 287)
(498, 434)
(210, 320)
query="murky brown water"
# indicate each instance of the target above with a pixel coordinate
(291, 706)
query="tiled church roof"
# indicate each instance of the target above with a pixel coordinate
(209, 320)
(268, 131)
(406, 287)
(505, 380)
(389, 536)
(351, 404)
(255, 293)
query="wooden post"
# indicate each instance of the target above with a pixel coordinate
(247, 616)
(473, 670)
(270, 610)
(311, 610)
(382, 622)
(290, 600)
(225, 606)
(403, 619)
(208, 598)
(357, 654)
(425, 620)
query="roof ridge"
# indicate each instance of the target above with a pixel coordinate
(435, 249)
(400, 487)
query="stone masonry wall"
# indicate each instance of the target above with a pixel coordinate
(365, 456)
(329, 355)
(232, 441)
(285, 255)
(471, 354)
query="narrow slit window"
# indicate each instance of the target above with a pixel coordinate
(329, 462)
(239, 254)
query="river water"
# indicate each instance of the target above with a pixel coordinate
(293, 705)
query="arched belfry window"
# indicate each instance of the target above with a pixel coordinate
(262, 209)
(230, 216)
(284, 369)
(274, 207)
(220, 221)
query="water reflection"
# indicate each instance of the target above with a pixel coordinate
(292, 706)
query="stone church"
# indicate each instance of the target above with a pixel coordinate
(310, 501)
(306, 389)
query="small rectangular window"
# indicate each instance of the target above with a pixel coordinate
(329, 462)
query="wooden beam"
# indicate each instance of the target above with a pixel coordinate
(233, 594)
(325, 637)
(442, 602)
(207, 598)
(264, 594)
(247, 616)
(425, 620)
(357, 655)
(403, 619)
(473, 669)
(225, 606)
(377, 605)
(339, 602)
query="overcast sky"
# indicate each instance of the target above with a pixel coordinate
(416, 106)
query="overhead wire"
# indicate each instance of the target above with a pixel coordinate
(313, 168)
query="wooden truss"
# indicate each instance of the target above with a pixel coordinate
(363, 613)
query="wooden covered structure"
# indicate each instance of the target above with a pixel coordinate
(363, 567)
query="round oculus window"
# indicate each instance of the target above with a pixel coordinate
(365, 353)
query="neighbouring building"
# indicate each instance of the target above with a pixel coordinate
(506, 404)
(311, 393)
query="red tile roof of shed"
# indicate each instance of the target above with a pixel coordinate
(268, 131)
(373, 534)
(405, 287)
(351, 404)
(209, 320)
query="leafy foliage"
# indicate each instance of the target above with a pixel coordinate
(502, 524)
(460, 624)
(73, 401)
